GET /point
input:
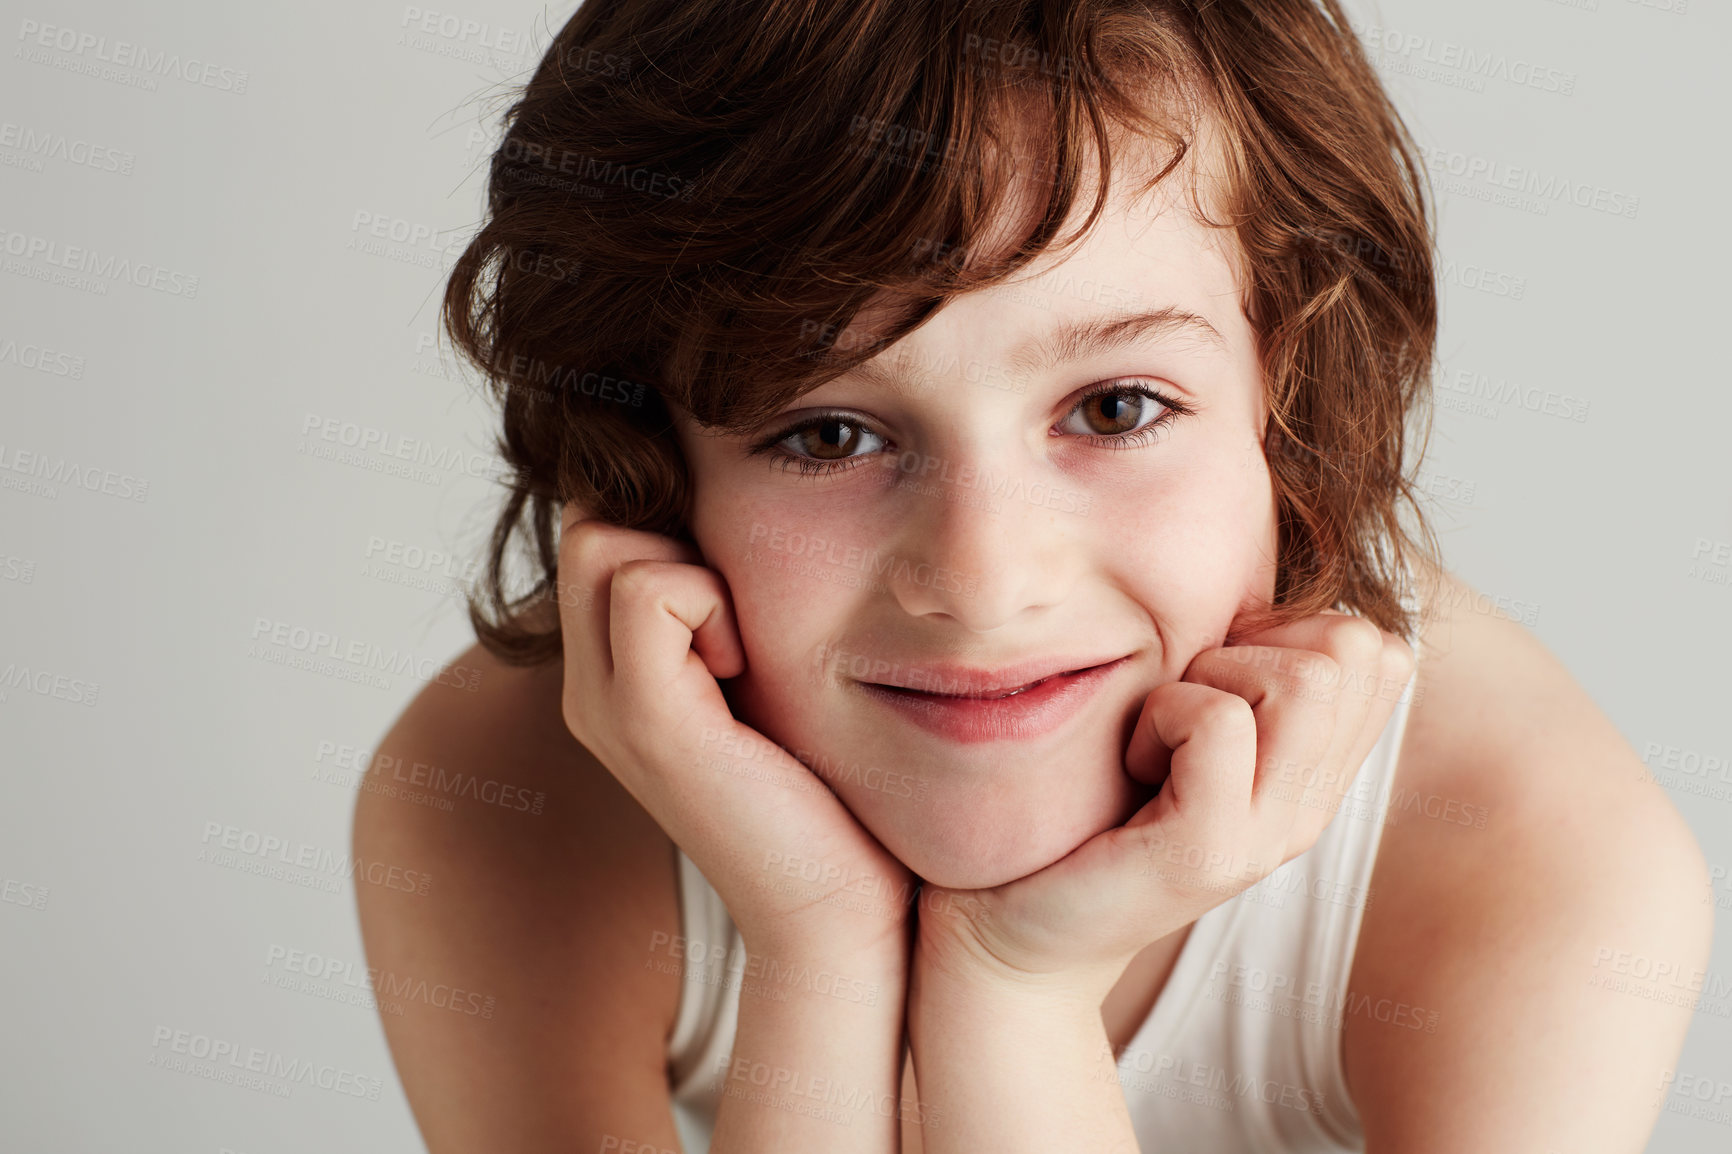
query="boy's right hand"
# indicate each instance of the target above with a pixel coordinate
(647, 631)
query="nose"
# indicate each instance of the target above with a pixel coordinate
(986, 538)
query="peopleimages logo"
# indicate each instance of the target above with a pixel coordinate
(67, 471)
(356, 768)
(1503, 391)
(479, 33)
(45, 144)
(363, 655)
(925, 472)
(46, 683)
(418, 456)
(776, 977)
(95, 263)
(40, 359)
(210, 1055)
(1472, 168)
(1464, 59)
(87, 46)
(329, 975)
(233, 847)
(862, 559)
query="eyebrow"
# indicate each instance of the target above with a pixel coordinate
(1096, 335)
(1077, 340)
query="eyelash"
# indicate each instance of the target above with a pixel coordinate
(782, 459)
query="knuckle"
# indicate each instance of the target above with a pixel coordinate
(1312, 677)
(1399, 660)
(1360, 639)
(582, 546)
(1321, 670)
(585, 535)
(1223, 710)
(1168, 694)
(636, 577)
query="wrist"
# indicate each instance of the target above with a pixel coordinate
(1004, 1027)
(870, 971)
(952, 965)
(960, 942)
(870, 916)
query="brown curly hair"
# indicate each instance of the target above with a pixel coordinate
(692, 198)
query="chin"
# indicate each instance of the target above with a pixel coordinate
(981, 819)
(962, 841)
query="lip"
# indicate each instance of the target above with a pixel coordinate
(975, 713)
(940, 679)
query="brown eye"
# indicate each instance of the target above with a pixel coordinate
(828, 439)
(826, 443)
(1115, 412)
(1114, 409)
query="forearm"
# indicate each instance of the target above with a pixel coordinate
(1013, 1070)
(817, 1057)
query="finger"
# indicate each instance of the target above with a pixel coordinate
(672, 629)
(1328, 667)
(1192, 833)
(1394, 674)
(1200, 743)
(1296, 726)
(1361, 650)
(1356, 647)
(578, 591)
(589, 551)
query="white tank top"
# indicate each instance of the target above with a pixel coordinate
(1241, 1052)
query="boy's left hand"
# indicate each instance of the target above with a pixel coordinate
(1254, 749)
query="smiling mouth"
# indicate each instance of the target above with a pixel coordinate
(996, 696)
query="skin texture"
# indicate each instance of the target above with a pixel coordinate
(1498, 928)
(1502, 930)
(1152, 550)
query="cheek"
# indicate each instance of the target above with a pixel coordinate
(1195, 542)
(1192, 513)
(788, 576)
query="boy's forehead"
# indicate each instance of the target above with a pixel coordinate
(1147, 231)
(1140, 223)
(1149, 243)
(1147, 249)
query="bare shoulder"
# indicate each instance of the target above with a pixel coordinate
(1497, 722)
(548, 883)
(1527, 858)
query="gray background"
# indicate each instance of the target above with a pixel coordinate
(1599, 533)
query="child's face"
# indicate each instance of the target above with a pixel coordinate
(971, 521)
